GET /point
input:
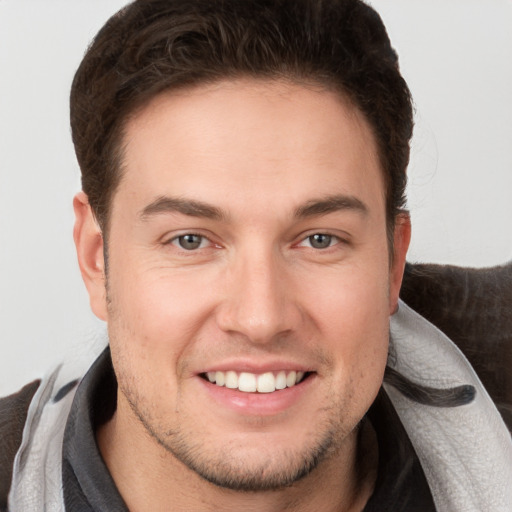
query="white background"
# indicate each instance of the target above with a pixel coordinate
(455, 54)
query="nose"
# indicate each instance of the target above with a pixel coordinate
(259, 300)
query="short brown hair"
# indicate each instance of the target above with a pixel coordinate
(155, 45)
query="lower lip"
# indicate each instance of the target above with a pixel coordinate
(260, 404)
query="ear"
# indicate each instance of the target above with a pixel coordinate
(89, 248)
(401, 239)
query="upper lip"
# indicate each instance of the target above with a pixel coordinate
(245, 365)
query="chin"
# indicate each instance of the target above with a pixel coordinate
(254, 461)
(254, 469)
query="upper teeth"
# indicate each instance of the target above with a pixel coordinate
(251, 382)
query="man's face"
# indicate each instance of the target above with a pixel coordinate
(248, 245)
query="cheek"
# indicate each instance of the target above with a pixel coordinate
(354, 302)
(359, 336)
(151, 323)
(353, 316)
(156, 305)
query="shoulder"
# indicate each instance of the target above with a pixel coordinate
(13, 414)
(473, 307)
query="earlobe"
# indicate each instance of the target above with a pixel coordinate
(89, 248)
(401, 239)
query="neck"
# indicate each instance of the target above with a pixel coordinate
(154, 478)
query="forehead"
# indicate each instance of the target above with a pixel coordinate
(237, 143)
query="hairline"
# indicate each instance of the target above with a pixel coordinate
(316, 83)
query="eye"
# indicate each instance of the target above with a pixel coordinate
(320, 241)
(190, 241)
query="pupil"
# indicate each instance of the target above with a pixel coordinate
(190, 242)
(320, 241)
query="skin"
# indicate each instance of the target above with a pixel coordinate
(268, 158)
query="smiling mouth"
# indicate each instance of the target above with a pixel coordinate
(246, 382)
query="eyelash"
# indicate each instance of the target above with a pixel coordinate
(333, 240)
(176, 241)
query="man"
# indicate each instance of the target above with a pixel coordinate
(242, 232)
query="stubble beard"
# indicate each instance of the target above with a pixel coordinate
(232, 467)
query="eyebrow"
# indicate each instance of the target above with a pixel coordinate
(165, 204)
(331, 204)
(193, 208)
